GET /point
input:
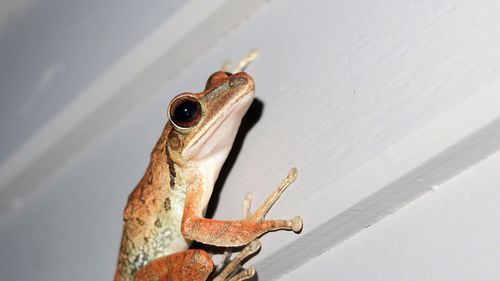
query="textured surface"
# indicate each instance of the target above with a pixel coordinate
(447, 234)
(48, 58)
(366, 99)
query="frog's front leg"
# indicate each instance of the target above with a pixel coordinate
(195, 265)
(233, 233)
(230, 267)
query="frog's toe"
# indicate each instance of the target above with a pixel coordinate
(297, 224)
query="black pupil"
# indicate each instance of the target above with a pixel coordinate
(185, 111)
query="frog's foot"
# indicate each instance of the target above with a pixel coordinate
(243, 64)
(244, 275)
(247, 202)
(235, 263)
(226, 258)
(294, 224)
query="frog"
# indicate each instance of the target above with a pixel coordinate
(165, 212)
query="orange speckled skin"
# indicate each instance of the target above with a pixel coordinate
(187, 265)
(164, 212)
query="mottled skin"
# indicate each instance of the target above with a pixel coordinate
(164, 213)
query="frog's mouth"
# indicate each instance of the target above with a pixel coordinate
(220, 138)
(223, 109)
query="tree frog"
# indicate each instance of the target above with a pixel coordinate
(165, 211)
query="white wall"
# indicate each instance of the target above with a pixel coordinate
(375, 103)
(51, 50)
(447, 234)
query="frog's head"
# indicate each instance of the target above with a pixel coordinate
(204, 125)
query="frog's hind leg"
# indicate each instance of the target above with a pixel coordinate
(193, 265)
(234, 264)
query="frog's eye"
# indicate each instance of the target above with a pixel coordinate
(185, 112)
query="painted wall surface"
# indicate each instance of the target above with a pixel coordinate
(447, 234)
(50, 51)
(374, 103)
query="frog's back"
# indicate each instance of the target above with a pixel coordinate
(152, 217)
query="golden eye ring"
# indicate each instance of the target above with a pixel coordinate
(185, 112)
